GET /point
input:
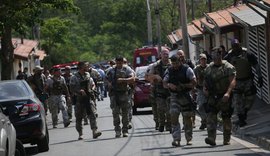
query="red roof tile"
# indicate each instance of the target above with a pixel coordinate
(193, 31)
(41, 54)
(23, 50)
(171, 39)
(206, 23)
(197, 24)
(267, 1)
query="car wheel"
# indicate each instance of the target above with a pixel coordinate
(19, 149)
(43, 144)
(134, 110)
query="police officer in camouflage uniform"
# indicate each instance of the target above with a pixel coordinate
(156, 74)
(201, 99)
(131, 88)
(180, 79)
(244, 92)
(188, 62)
(58, 92)
(67, 75)
(152, 97)
(82, 86)
(37, 82)
(119, 77)
(219, 81)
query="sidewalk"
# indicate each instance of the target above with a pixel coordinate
(257, 130)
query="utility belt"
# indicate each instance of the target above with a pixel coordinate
(251, 91)
(217, 96)
(185, 91)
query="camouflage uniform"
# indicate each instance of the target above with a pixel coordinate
(85, 103)
(69, 103)
(217, 82)
(153, 99)
(162, 96)
(200, 99)
(57, 90)
(118, 93)
(131, 100)
(180, 101)
(37, 83)
(245, 91)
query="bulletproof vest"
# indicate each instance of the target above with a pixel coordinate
(84, 83)
(57, 88)
(121, 73)
(242, 65)
(219, 78)
(178, 75)
(160, 70)
(38, 82)
(200, 75)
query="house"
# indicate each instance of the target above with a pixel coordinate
(256, 21)
(26, 54)
(250, 23)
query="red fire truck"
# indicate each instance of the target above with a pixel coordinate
(73, 65)
(144, 56)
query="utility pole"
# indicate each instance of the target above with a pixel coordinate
(149, 24)
(158, 25)
(209, 5)
(183, 19)
(192, 10)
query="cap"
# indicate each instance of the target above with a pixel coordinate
(203, 56)
(38, 68)
(234, 41)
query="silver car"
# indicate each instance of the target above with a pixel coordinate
(7, 136)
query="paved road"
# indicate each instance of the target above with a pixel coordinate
(142, 141)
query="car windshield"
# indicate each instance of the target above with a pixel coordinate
(11, 90)
(140, 72)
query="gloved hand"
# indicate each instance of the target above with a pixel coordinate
(260, 82)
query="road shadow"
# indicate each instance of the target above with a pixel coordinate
(143, 112)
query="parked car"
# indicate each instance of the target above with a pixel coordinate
(142, 89)
(25, 112)
(7, 136)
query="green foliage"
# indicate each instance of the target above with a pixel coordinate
(98, 30)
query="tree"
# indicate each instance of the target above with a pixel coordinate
(16, 16)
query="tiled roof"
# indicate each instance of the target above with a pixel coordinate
(23, 50)
(267, 1)
(171, 39)
(176, 35)
(197, 24)
(206, 23)
(41, 54)
(193, 31)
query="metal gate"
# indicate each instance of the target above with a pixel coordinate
(257, 45)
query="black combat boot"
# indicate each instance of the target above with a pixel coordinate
(203, 126)
(210, 141)
(242, 121)
(226, 139)
(176, 143)
(96, 134)
(161, 128)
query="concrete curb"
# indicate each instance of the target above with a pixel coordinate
(264, 142)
